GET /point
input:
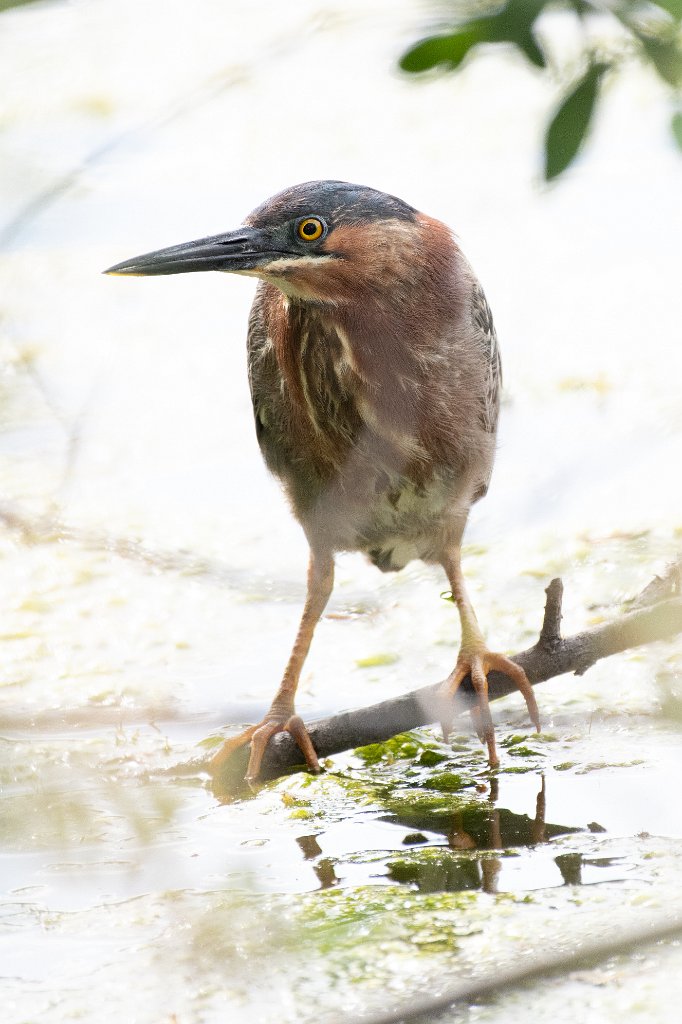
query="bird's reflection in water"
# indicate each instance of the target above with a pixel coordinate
(475, 832)
(490, 866)
(324, 867)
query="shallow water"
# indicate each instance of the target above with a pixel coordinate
(152, 575)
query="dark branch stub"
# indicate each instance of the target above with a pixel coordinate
(550, 634)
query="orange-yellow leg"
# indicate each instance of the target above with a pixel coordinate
(476, 660)
(282, 716)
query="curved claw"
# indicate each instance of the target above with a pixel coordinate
(479, 679)
(259, 741)
(259, 736)
(478, 665)
(501, 663)
(298, 732)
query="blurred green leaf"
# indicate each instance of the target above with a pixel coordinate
(512, 24)
(665, 55)
(569, 126)
(526, 43)
(515, 23)
(653, 27)
(676, 125)
(449, 50)
(581, 7)
(673, 7)
(658, 38)
(6, 4)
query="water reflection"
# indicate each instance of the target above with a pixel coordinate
(476, 845)
(478, 825)
(323, 868)
(473, 832)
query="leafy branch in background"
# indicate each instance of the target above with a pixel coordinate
(613, 33)
(6, 4)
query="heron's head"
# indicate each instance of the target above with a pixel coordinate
(322, 241)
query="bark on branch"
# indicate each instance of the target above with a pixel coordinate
(656, 615)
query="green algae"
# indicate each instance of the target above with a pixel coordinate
(301, 814)
(405, 745)
(446, 782)
(337, 918)
(413, 838)
(429, 758)
(436, 870)
(513, 740)
(377, 660)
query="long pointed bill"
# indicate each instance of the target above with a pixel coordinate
(243, 249)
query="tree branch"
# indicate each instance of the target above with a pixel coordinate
(657, 615)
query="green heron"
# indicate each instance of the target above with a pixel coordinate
(375, 378)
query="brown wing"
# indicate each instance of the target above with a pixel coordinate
(265, 380)
(482, 320)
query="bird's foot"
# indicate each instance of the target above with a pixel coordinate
(260, 735)
(478, 663)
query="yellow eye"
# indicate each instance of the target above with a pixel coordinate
(310, 229)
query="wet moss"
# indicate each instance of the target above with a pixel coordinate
(435, 870)
(406, 745)
(301, 814)
(513, 740)
(413, 838)
(429, 758)
(446, 782)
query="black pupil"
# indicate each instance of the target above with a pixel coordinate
(310, 228)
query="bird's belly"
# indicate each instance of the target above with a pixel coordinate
(381, 494)
(407, 522)
(392, 522)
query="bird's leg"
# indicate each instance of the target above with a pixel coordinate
(282, 715)
(476, 660)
